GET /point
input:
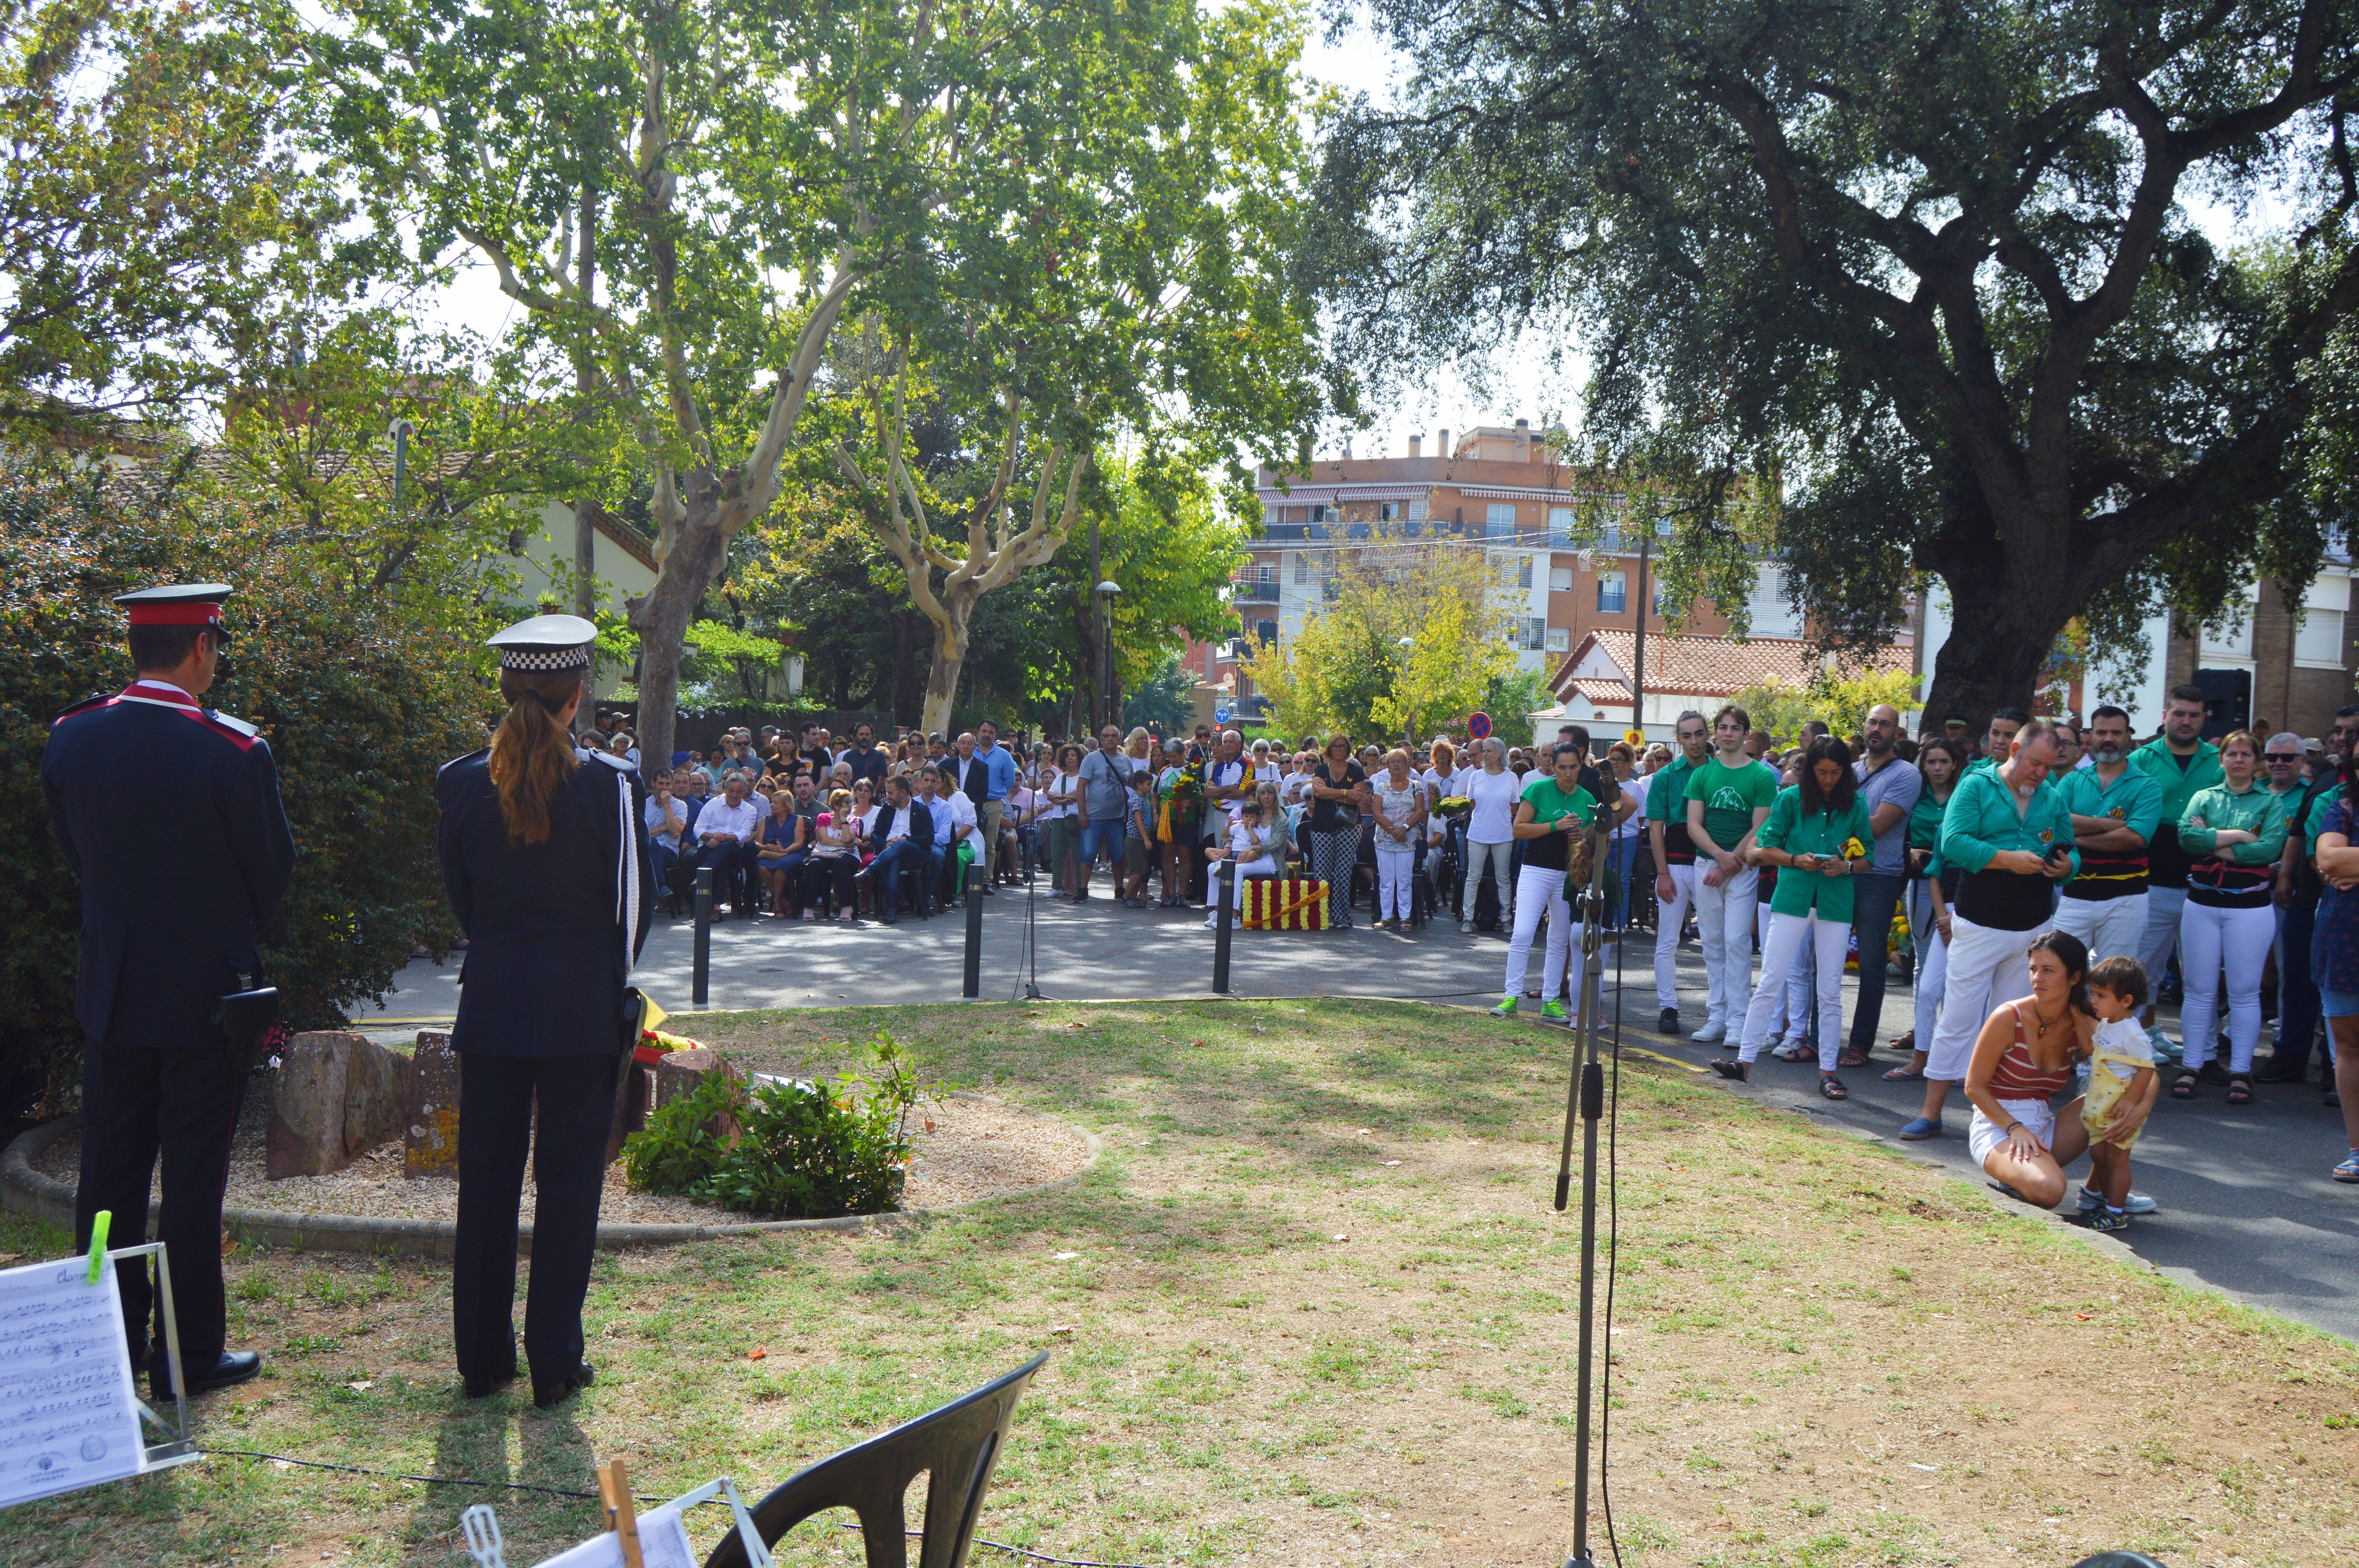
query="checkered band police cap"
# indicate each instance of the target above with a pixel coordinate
(546, 643)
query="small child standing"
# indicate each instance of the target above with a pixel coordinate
(1138, 832)
(2122, 1084)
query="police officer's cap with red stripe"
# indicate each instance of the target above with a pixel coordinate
(189, 604)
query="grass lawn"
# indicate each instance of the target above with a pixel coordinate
(1319, 1312)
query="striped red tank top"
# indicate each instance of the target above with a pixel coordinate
(2018, 1076)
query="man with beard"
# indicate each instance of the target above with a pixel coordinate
(1889, 787)
(2183, 764)
(2115, 808)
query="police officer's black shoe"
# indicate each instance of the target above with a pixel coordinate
(481, 1385)
(231, 1367)
(546, 1394)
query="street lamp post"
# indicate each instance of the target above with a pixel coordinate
(1107, 589)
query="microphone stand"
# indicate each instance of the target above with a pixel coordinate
(1586, 1101)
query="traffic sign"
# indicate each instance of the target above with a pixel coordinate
(1634, 737)
(1479, 726)
(1221, 715)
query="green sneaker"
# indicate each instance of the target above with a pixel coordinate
(1553, 1010)
(1506, 1008)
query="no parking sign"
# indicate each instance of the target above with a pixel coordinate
(1479, 726)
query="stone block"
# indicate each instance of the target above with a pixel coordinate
(681, 1071)
(307, 1111)
(375, 1083)
(430, 1110)
(632, 1097)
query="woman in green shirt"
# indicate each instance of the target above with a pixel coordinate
(1818, 836)
(2232, 833)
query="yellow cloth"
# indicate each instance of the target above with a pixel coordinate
(2106, 1092)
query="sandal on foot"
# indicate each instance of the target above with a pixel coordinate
(2183, 1086)
(1792, 1053)
(2239, 1090)
(1831, 1088)
(1851, 1058)
(1903, 1074)
(1736, 1070)
(2348, 1170)
(1905, 1043)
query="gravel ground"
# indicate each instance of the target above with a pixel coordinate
(965, 1149)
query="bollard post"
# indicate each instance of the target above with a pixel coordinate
(1223, 918)
(701, 984)
(973, 931)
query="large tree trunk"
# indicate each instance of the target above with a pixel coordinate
(663, 617)
(2000, 634)
(950, 639)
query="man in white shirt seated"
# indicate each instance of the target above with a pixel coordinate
(727, 832)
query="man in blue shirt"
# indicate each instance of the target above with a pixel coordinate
(1000, 779)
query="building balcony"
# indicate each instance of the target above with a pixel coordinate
(1252, 593)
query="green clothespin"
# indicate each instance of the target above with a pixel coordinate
(98, 1224)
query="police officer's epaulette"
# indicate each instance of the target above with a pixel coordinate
(620, 764)
(95, 699)
(478, 751)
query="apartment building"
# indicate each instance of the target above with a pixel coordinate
(1498, 489)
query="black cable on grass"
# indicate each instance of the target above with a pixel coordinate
(1023, 1551)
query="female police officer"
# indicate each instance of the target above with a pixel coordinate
(545, 857)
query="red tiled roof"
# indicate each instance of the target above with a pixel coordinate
(1705, 666)
(1612, 693)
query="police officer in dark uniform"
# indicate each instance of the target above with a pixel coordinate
(176, 886)
(544, 854)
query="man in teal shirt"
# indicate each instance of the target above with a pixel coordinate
(2182, 763)
(2115, 808)
(2007, 831)
(1675, 855)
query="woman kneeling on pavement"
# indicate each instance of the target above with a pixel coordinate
(2023, 1058)
(1818, 833)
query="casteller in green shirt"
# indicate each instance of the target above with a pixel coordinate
(1730, 797)
(1550, 805)
(1839, 835)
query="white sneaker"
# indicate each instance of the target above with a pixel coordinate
(1713, 1028)
(1466, 928)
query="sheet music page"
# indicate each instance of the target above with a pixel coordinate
(69, 1408)
(663, 1543)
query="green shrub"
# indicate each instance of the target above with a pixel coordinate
(792, 1149)
(361, 691)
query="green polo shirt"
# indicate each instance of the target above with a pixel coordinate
(1667, 803)
(2134, 800)
(2179, 783)
(1821, 832)
(1730, 796)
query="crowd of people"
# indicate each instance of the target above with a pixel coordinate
(2208, 864)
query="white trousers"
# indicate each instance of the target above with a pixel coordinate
(1395, 868)
(1498, 854)
(1981, 959)
(2212, 939)
(1780, 962)
(1932, 961)
(1265, 867)
(1669, 920)
(1724, 920)
(2109, 928)
(2162, 907)
(1539, 889)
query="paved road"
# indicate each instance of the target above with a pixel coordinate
(2246, 1206)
